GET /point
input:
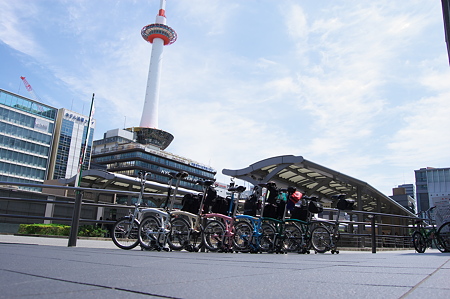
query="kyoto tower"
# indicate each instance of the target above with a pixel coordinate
(159, 35)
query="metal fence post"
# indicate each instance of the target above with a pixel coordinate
(75, 219)
(374, 238)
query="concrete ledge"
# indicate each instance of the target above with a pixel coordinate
(9, 228)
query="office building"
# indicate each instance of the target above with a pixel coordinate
(402, 196)
(409, 189)
(70, 138)
(38, 142)
(119, 152)
(433, 189)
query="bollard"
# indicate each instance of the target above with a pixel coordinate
(75, 219)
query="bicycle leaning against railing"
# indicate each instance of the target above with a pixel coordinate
(425, 236)
(125, 232)
(325, 234)
(220, 233)
(187, 225)
(157, 227)
(255, 235)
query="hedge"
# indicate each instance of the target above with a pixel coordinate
(60, 230)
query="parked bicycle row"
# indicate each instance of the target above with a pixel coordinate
(273, 220)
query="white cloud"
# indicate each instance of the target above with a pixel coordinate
(16, 20)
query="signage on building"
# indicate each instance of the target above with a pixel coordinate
(76, 118)
(41, 125)
(220, 185)
(202, 167)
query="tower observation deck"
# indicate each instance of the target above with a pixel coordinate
(159, 35)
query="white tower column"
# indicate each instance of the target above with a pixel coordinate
(149, 117)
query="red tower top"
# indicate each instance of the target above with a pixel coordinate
(164, 32)
(159, 29)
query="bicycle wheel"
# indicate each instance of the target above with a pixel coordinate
(267, 237)
(305, 244)
(443, 236)
(321, 239)
(179, 234)
(213, 235)
(292, 238)
(149, 233)
(125, 233)
(438, 245)
(242, 236)
(419, 242)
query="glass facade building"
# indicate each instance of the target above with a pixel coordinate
(39, 142)
(70, 137)
(26, 138)
(432, 187)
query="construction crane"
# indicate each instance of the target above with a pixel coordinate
(33, 94)
(30, 89)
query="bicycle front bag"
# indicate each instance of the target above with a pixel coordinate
(315, 207)
(345, 204)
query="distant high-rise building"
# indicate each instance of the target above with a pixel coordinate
(432, 185)
(409, 189)
(403, 194)
(70, 136)
(38, 142)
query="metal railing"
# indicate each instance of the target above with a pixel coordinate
(376, 230)
(76, 202)
(368, 230)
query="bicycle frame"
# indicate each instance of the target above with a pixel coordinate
(124, 230)
(155, 225)
(194, 222)
(424, 236)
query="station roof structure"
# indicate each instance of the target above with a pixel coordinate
(101, 179)
(316, 180)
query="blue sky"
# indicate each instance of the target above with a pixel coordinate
(361, 87)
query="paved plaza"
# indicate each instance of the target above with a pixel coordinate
(33, 267)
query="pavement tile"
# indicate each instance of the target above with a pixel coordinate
(45, 268)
